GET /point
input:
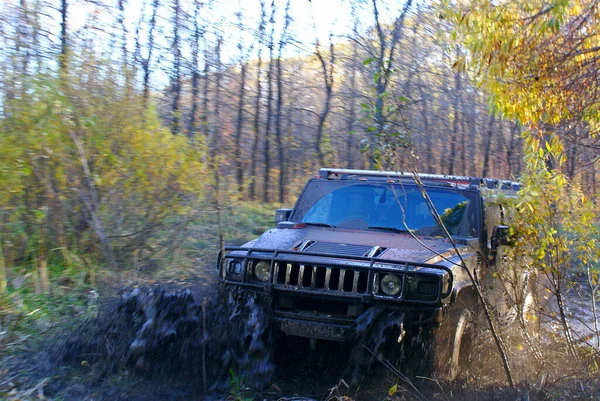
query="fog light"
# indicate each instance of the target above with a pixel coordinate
(262, 270)
(390, 284)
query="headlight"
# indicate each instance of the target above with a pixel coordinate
(390, 284)
(262, 270)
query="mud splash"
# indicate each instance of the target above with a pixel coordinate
(382, 339)
(159, 333)
(173, 334)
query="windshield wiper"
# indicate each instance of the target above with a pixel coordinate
(310, 223)
(395, 229)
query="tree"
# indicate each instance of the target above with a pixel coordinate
(268, 117)
(176, 77)
(327, 69)
(537, 61)
(147, 61)
(279, 102)
(197, 33)
(383, 58)
(257, 104)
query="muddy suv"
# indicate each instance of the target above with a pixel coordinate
(362, 251)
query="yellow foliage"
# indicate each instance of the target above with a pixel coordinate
(140, 175)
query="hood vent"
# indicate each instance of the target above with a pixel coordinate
(343, 249)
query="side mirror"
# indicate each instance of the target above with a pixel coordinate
(501, 237)
(282, 215)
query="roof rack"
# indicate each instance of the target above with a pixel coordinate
(472, 182)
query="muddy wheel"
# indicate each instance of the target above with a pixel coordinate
(453, 340)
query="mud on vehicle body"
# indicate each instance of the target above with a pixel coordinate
(362, 242)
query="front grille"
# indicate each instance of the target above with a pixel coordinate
(321, 278)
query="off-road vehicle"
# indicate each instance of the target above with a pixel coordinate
(359, 240)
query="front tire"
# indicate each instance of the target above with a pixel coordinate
(453, 340)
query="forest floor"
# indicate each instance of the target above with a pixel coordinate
(44, 367)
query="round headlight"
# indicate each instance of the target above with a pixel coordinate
(262, 270)
(390, 284)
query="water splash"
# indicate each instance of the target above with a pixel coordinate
(168, 333)
(380, 335)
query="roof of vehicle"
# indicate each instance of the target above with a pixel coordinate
(455, 181)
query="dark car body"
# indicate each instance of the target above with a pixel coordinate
(359, 239)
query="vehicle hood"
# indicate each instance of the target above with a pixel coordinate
(345, 242)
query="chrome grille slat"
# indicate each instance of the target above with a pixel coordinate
(301, 278)
(275, 273)
(313, 278)
(355, 282)
(288, 272)
(327, 278)
(341, 283)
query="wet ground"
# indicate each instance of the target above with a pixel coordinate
(188, 341)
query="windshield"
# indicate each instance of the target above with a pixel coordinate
(386, 206)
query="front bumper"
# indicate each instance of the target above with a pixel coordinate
(322, 296)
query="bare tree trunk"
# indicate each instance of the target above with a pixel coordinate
(425, 114)
(279, 106)
(91, 203)
(278, 134)
(257, 105)
(514, 133)
(463, 138)
(195, 73)
(557, 279)
(176, 73)
(572, 160)
(455, 119)
(239, 165)
(351, 116)
(267, 143)
(488, 146)
(205, 90)
(64, 45)
(146, 62)
(239, 168)
(327, 69)
(216, 135)
(42, 254)
(255, 129)
(35, 38)
(124, 52)
(594, 189)
(22, 47)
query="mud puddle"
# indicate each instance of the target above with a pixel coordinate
(172, 343)
(169, 343)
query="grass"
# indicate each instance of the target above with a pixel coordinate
(24, 315)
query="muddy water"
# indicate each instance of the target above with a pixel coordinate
(171, 334)
(173, 344)
(157, 333)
